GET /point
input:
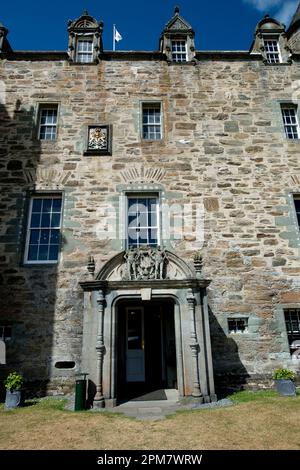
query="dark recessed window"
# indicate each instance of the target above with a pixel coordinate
(65, 365)
(5, 333)
(297, 208)
(237, 325)
(292, 323)
(43, 231)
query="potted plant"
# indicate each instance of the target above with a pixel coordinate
(13, 384)
(284, 382)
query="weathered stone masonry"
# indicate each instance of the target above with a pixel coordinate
(223, 145)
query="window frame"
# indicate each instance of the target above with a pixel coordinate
(143, 195)
(290, 339)
(46, 107)
(296, 197)
(90, 40)
(32, 197)
(236, 320)
(273, 39)
(294, 107)
(177, 40)
(144, 104)
(2, 336)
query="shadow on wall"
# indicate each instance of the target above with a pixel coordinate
(229, 373)
(27, 293)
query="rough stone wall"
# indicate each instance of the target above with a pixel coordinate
(223, 146)
(294, 41)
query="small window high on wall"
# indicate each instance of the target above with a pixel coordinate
(84, 53)
(272, 51)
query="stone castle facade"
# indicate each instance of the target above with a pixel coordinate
(150, 208)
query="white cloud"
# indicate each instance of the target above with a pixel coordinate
(282, 10)
(287, 11)
(262, 5)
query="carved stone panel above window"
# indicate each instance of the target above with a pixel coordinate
(99, 140)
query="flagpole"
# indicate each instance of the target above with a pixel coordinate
(114, 37)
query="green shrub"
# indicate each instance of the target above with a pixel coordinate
(285, 374)
(14, 381)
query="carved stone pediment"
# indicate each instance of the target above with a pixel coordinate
(145, 264)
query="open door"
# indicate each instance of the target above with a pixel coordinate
(135, 350)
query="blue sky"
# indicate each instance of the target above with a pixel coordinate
(219, 24)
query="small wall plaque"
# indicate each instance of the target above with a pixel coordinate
(99, 139)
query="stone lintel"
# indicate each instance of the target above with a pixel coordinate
(153, 284)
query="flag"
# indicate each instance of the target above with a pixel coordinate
(118, 36)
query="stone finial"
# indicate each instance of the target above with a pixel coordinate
(91, 266)
(176, 10)
(85, 13)
(198, 264)
(267, 16)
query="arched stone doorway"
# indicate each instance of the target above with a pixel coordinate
(159, 291)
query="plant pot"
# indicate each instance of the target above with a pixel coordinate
(285, 387)
(13, 399)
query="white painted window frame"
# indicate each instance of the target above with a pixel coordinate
(90, 54)
(141, 195)
(294, 107)
(28, 230)
(47, 107)
(177, 52)
(268, 40)
(147, 105)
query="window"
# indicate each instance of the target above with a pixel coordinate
(272, 51)
(292, 323)
(290, 121)
(84, 50)
(152, 129)
(48, 122)
(5, 333)
(238, 325)
(143, 216)
(179, 53)
(43, 233)
(297, 208)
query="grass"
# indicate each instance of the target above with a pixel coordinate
(261, 420)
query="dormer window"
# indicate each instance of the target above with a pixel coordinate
(177, 40)
(272, 51)
(85, 39)
(270, 41)
(84, 53)
(179, 52)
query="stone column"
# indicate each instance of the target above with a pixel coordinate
(194, 345)
(99, 401)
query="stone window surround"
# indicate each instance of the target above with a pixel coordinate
(42, 104)
(151, 102)
(27, 212)
(279, 120)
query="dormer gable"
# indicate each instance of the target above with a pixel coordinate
(177, 40)
(270, 41)
(85, 39)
